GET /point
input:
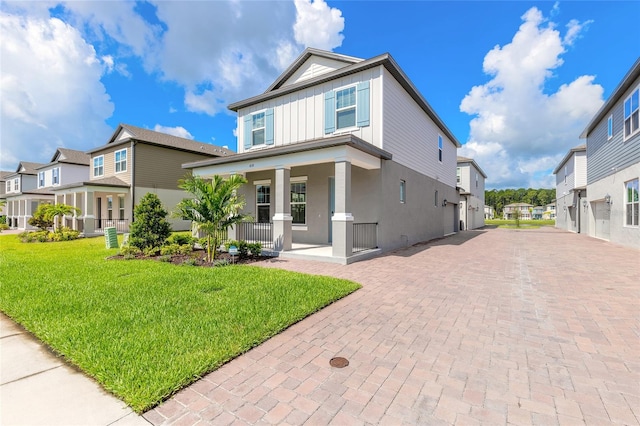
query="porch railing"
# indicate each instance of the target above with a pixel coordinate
(365, 236)
(256, 232)
(121, 225)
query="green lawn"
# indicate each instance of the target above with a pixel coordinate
(145, 329)
(525, 224)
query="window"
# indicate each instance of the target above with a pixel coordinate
(8, 186)
(299, 202)
(440, 148)
(121, 161)
(346, 108)
(403, 191)
(565, 175)
(458, 174)
(263, 203)
(631, 119)
(98, 166)
(435, 199)
(476, 180)
(121, 207)
(631, 202)
(55, 176)
(257, 129)
(40, 179)
(109, 207)
(16, 184)
(610, 127)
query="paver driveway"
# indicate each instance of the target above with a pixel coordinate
(491, 327)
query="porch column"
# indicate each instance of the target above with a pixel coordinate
(282, 218)
(89, 219)
(75, 214)
(342, 220)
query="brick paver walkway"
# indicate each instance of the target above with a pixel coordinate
(485, 327)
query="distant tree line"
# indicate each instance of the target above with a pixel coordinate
(498, 198)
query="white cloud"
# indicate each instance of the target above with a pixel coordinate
(318, 25)
(50, 89)
(178, 131)
(519, 131)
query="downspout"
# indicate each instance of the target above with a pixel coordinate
(133, 178)
(578, 207)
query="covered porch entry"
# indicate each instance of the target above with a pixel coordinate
(317, 199)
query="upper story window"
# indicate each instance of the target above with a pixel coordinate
(458, 175)
(565, 175)
(440, 148)
(610, 127)
(98, 166)
(632, 202)
(55, 176)
(631, 119)
(403, 191)
(8, 186)
(16, 184)
(121, 160)
(40, 179)
(258, 128)
(346, 108)
(476, 180)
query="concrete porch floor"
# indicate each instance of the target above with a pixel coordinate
(324, 253)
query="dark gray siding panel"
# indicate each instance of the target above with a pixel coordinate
(605, 157)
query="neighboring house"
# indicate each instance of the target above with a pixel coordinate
(613, 164)
(537, 212)
(3, 190)
(22, 195)
(509, 212)
(571, 189)
(343, 153)
(133, 162)
(549, 212)
(470, 179)
(489, 212)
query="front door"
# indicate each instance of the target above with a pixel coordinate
(99, 211)
(332, 206)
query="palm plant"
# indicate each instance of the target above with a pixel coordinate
(215, 206)
(57, 211)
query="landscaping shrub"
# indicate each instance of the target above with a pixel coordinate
(244, 248)
(173, 249)
(44, 236)
(150, 228)
(181, 239)
(40, 219)
(130, 251)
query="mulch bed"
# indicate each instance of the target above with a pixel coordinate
(199, 258)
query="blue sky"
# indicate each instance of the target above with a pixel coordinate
(516, 81)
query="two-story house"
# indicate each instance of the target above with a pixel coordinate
(522, 210)
(3, 190)
(67, 166)
(613, 164)
(549, 212)
(22, 195)
(132, 163)
(571, 191)
(344, 153)
(470, 180)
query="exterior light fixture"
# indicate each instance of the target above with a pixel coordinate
(444, 203)
(607, 199)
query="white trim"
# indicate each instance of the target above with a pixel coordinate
(282, 216)
(349, 129)
(262, 182)
(264, 128)
(299, 228)
(115, 162)
(93, 166)
(342, 217)
(298, 179)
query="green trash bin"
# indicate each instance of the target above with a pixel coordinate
(111, 237)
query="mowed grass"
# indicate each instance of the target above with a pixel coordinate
(525, 224)
(145, 329)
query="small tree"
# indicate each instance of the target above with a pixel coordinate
(516, 216)
(40, 219)
(150, 227)
(57, 211)
(215, 206)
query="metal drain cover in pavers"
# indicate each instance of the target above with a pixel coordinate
(339, 362)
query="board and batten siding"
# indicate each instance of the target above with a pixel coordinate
(158, 167)
(299, 116)
(412, 137)
(606, 156)
(109, 163)
(580, 172)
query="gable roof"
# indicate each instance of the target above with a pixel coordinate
(578, 148)
(27, 168)
(619, 91)
(4, 174)
(306, 54)
(68, 156)
(462, 160)
(381, 60)
(152, 137)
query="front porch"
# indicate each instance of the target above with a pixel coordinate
(319, 199)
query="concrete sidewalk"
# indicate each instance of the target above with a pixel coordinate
(37, 388)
